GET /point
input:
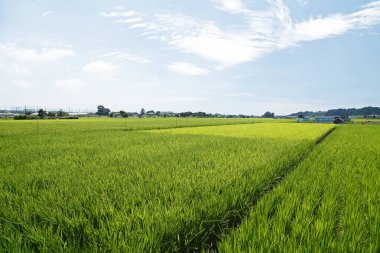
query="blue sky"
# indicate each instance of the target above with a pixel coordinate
(227, 56)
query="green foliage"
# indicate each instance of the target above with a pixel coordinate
(124, 114)
(330, 203)
(84, 125)
(41, 113)
(62, 114)
(268, 115)
(51, 114)
(25, 117)
(88, 186)
(103, 111)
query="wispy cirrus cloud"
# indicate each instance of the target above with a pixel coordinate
(303, 2)
(185, 68)
(119, 14)
(127, 56)
(47, 13)
(124, 16)
(263, 31)
(232, 6)
(34, 55)
(128, 20)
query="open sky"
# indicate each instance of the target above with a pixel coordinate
(227, 56)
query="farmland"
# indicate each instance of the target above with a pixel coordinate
(31, 127)
(329, 204)
(140, 185)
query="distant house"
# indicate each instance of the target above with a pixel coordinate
(7, 115)
(332, 119)
(117, 115)
(167, 114)
(150, 114)
(338, 121)
(324, 119)
(78, 114)
(303, 119)
(133, 114)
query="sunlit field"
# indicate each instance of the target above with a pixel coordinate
(143, 185)
(63, 126)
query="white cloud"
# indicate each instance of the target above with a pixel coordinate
(27, 54)
(101, 69)
(127, 56)
(119, 14)
(241, 95)
(70, 85)
(225, 48)
(22, 84)
(129, 20)
(263, 32)
(19, 70)
(188, 69)
(303, 2)
(320, 28)
(47, 13)
(233, 6)
(187, 98)
(333, 25)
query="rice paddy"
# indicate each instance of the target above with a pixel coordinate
(99, 185)
(330, 203)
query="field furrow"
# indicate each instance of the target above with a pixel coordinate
(140, 191)
(328, 204)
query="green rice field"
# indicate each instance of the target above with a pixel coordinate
(330, 203)
(188, 185)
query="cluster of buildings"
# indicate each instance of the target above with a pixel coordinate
(325, 119)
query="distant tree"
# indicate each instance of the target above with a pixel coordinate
(124, 114)
(186, 114)
(41, 113)
(62, 114)
(142, 112)
(268, 115)
(158, 113)
(200, 114)
(51, 114)
(102, 111)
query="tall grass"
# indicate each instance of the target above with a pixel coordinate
(138, 191)
(330, 203)
(61, 126)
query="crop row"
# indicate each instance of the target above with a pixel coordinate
(135, 191)
(330, 203)
(86, 125)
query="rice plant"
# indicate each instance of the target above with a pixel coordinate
(330, 203)
(139, 191)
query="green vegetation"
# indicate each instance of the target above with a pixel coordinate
(365, 111)
(154, 184)
(330, 203)
(85, 125)
(367, 120)
(88, 185)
